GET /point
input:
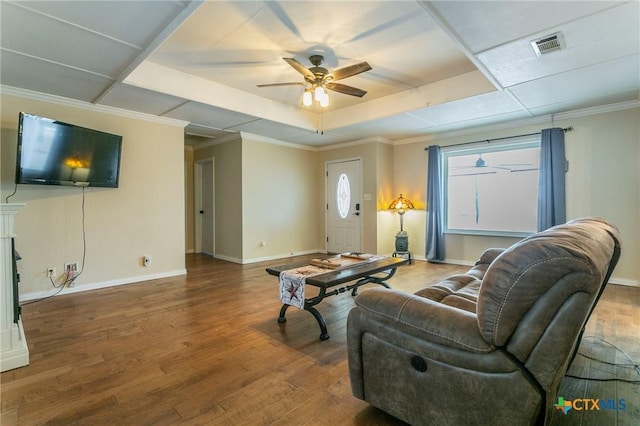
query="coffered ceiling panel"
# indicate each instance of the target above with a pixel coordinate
(482, 106)
(616, 37)
(125, 21)
(74, 47)
(485, 24)
(583, 86)
(46, 77)
(141, 100)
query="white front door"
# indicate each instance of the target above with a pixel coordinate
(344, 202)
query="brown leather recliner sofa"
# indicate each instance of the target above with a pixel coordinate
(488, 347)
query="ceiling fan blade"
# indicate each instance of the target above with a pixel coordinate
(300, 68)
(299, 83)
(347, 90)
(350, 70)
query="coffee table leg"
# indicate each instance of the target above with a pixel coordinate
(283, 311)
(324, 335)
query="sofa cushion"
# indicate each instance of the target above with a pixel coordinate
(461, 291)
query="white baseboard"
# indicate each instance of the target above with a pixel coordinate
(266, 258)
(227, 258)
(103, 284)
(282, 256)
(624, 281)
(460, 262)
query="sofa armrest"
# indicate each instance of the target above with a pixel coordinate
(486, 259)
(489, 255)
(424, 318)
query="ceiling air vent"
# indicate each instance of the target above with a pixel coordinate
(548, 44)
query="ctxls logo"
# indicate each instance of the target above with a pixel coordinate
(586, 404)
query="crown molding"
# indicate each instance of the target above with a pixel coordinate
(73, 103)
(603, 109)
(363, 141)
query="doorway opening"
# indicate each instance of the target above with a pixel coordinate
(204, 206)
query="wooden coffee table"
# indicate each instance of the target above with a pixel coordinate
(377, 272)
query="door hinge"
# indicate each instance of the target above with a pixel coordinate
(327, 174)
(327, 206)
(327, 239)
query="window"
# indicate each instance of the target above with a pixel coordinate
(343, 195)
(491, 189)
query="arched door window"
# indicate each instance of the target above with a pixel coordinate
(343, 196)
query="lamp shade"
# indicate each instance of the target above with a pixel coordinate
(307, 98)
(401, 204)
(324, 101)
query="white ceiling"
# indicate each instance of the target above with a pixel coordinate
(437, 66)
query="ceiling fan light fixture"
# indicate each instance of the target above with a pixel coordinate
(307, 98)
(324, 100)
(318, 80)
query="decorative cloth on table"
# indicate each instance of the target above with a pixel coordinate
(292, 284)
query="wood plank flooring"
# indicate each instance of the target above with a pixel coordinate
(205, 349)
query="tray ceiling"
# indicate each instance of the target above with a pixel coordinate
(437, 66)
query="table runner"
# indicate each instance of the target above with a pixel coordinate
(292, 283)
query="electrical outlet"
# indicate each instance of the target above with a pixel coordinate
(51, 272)
(71, 268)
(146, 260)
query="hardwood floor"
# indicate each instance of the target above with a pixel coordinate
(615, 321)
(206, 349)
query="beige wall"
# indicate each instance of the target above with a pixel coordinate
(265, 193)
(603, 180)
(410, 179)
(144, 216)
(387, 223)
(282, 202)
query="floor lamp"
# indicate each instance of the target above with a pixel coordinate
(401, 205)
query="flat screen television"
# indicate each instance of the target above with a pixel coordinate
(51, 152)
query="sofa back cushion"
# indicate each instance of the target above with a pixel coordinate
(533, 278)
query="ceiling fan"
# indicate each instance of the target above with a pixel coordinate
(318, 78)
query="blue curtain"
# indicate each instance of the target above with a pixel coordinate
(435, 238)
(551, 186)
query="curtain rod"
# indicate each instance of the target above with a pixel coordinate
(566, 129)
